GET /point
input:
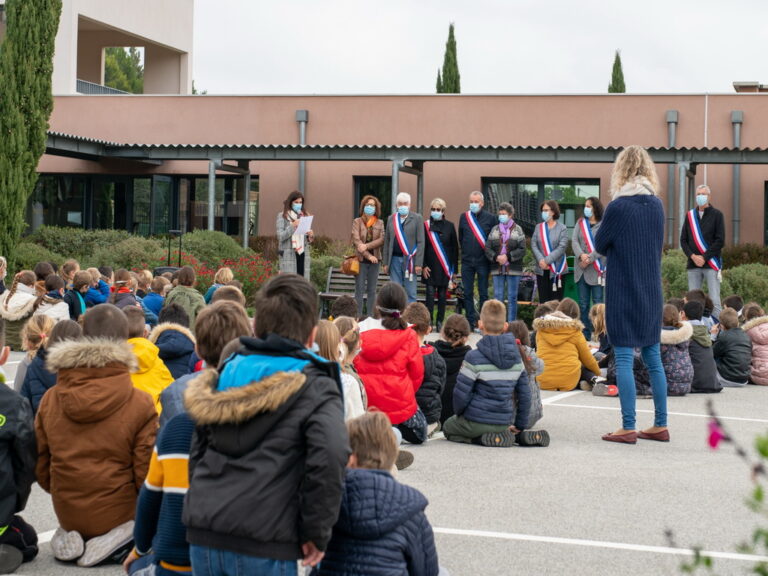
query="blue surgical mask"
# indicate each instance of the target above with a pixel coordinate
(587, 212)
(545, 216)
(369, 210)
(436, 215)
(702, 199)
(474, 207)
(296, 207)
(403, 210)
(503, 218)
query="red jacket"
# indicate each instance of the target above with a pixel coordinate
(391, 368)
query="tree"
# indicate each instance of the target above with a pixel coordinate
(26, 102)
(617, 77)
(123, 69)
(439, 82)
(451, 79)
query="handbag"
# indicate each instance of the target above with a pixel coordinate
(350, 266)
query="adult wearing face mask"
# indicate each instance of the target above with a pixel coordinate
(550, 239)
(589, 266)
(505, 249)
(702, 240)
(441, 258)
(474, 226)
(293, 248)
(367, 238)
(404, 246)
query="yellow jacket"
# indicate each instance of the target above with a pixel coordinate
(152, 376)
(560, 343)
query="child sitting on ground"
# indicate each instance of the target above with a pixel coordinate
(430, 391)
(732, 351)
(52, 302)
(539, 312)
(329, 341)
(452, 348)
(344, 305)
(382, 528)
(185, 295)
(122, 295)
(675, 342)
(18, 452)
(34, 332)
(491, 375)
(600, 343)
(705, 378)
(75, 297)
(95, 434)
(174, 339)
(756, 327)
(152, 376)
(736, 303)
(534, 366)
(17, 304)
(154, 300)
(98, 292)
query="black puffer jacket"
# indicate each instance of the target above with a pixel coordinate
(429, 395)
(382, 530)
(18, 453)
(38, 380)
(267, 462)
(733, 354)
(704, 368)
(453, 358)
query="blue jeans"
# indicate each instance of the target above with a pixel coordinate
(696, 278)
(146, 566)
(587, 293)
(470, 269)
(625, 378)
(397, 275)
(512, 283)
(215, 562)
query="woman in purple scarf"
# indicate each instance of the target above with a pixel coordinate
(505, 248)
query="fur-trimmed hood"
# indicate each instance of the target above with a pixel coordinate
(757, 329)
(676, 336)
(168, 326)
(557, 321)
(90, 353)
(638, 186)
(206, 405)
(19, 305)
(754, 322)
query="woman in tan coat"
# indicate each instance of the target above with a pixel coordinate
(368, 238)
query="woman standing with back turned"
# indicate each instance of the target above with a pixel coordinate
(631, 236)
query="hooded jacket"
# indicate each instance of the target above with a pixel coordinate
(38, 380)
(154, 302)
(76, 304)
(176, 344)
(391, 367)
(95, 434)
(733, 353)
(704, 367)
(15, 309)
(18, 453)
(382, 530)
(98, 294)
(757, 330)
(429, 395)
(151, 376)
(489, 378)
(53, 306)
(267, 461)
(561, 345)
(453, 357)
(189, 299)
(676, 359)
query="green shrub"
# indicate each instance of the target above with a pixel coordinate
(266, 246)
(133, 253)
(741, 254)
(674, 278)
(210, 247)
(27, 254)
(76, 242)
(318, 272)
(749, 281)
(327, 246)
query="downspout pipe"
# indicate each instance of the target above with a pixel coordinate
(211, 193)
(672, 119)
(302, 117)
(737, 119)
(682, 173)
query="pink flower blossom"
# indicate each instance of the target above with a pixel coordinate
(716, 434)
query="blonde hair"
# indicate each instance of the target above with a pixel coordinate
(372, 441)
(440, 203)
(729, 318)
(145, 278)
(35, 333)
(597, 317)
(223, 276)
(328, 340)
(26, 277)
(632, 162)
(350, 335)
(493, 316)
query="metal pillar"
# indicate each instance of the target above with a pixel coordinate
(737, 119)
(682, 173)
(396, 165)
(672, 119)
(211, 193)
(302, 117)
(245, 165)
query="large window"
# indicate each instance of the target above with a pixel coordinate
(378, 186)
(58, 201)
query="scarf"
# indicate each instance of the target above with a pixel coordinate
(297, 240)
(369, 228)
(506, 230)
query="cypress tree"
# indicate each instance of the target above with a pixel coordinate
(451, 79)
(26, 102)
(439, 82)
(617, 77)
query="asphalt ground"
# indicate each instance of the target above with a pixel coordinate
(579, 507)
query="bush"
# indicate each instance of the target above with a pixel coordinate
(749, 281)
(318, 272)
(252, 270)
(326, 246)
(76, 243)
(26, 255)
(741, 254)
(266, 246)
(211, 247)
(674, 278)
(133, 253)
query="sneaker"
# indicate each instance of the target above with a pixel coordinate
(603, 389)
(404, 459)
(533, 438)
(503, 439)
(10, 558)
(102, 547)
(67, 546)
(432, 429)
(586, 385)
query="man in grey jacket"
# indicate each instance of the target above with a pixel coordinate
(404, 246)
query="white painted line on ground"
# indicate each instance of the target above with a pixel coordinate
(44, 537)
(599, 544)
(557, 397)
(617, 409)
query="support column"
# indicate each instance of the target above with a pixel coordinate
(682, 173)
(672, 119)
(396, 164)
(420, 193)
(302, 117)
(211, 193)
(737, 119)
(245, 165)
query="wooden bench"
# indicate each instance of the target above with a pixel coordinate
(339, 284)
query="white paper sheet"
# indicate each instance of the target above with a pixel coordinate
(305, 224)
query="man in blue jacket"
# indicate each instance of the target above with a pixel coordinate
(474, 227)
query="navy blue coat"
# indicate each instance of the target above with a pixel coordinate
(381, 531)
(38, 380)
(176, 344)
(487, 381)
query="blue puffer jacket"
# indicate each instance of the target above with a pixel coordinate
(176, 345)
(381, 531)
(487, 381)
(37, 380)
(98, 295)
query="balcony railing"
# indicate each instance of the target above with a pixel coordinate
(84, 87)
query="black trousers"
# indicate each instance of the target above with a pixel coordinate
(546, 290)
(21, 535)
(430, 301)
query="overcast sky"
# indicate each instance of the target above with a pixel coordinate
(504, 46)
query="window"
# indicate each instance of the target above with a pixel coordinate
(58, 201)
(378, 186)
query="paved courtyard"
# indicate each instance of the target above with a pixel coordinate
(580, 506)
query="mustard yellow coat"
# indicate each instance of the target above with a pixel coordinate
(152, 376)
(560, 343)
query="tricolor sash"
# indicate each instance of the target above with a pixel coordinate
(475, 227)
(409, 254)
(556, 270)
(437, 246)
(701, 245)
(589, 241)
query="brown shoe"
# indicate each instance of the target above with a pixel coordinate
(628, 438)
(661, 436)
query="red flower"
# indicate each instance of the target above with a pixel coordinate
(716, 434)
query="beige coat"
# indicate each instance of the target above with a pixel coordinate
(359, 232)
